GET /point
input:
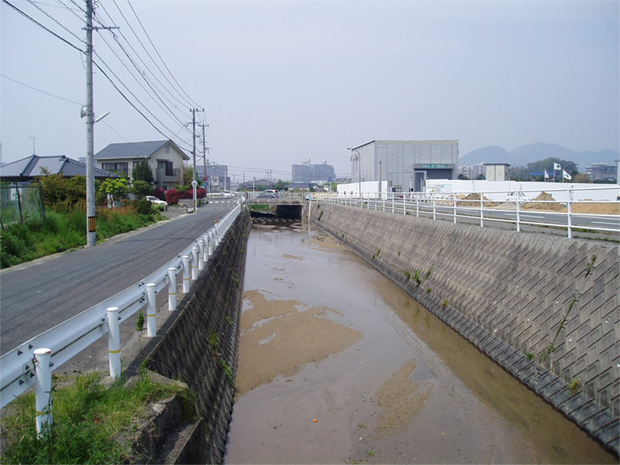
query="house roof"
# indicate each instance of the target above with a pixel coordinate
(35, 165)
(135, 150)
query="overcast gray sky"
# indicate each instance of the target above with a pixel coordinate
(286, 81)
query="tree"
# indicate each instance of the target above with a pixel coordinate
(115, 188)
(60, 192)
(142, 172)
(281, 185)
(582, 177)
(188, 177)
(141, 188)
(548, 163)
(463, 177)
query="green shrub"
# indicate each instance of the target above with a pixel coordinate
(144, 207)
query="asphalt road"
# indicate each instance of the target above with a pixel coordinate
(37, 296)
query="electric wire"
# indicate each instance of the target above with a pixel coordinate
(141, 60)
(116, 87)
(135, 107)
(192, 102)
(165, 107)
(42, 91)
(55, 20)
(184, 104)
(42, 26)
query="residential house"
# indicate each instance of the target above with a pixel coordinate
(164, 157)
(27, 169)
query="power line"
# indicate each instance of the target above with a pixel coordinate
(140, 58)
(133, 105)
(42, 26)
(100, 69)
(54, 19)
(139, 83)
(39, 90)
(160, 57)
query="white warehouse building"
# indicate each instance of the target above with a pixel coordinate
(405, 164)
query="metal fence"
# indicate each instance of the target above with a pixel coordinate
(32, 362)
(20, 202)
(515, 208)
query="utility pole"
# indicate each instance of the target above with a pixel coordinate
(91, 224)
(194, 182)
(204, 154)
(88, 110)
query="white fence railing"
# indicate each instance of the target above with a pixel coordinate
(57, 345)
(516, 207)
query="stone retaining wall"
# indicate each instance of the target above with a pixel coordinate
(201, 344)
(535, 304)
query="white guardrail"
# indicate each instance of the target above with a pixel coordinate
(32, 362)
(514, 207)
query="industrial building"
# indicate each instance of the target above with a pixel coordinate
(217, 175)
(405, 164)
(307, 172)
(473, 171)
(605, 172)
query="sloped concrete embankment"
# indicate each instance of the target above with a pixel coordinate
(200, 347)
(533, 303)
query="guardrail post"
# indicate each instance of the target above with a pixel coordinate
(172, 289)
(205, 252)
(194, 263)
(211, 242)
(434, 206)
(417, 205)
(216, 233)
(43, 387)
(151, 310)
(114, 342)
(518, 212)
(481, 210)
(569, 212)
(404, 205)
(185, 274)
(454, 208)
(201, 254)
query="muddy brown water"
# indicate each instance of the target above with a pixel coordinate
(338, 365)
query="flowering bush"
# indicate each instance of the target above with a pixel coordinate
(160, 194)
(189, 194)
(172, 197)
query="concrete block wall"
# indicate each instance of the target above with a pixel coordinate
(200, 347)
(526, 300)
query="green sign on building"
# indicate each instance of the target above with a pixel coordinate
(435, 166)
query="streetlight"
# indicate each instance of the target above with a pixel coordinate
(359, 171)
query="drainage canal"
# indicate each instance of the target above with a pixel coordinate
(337, 364)
(289, 212)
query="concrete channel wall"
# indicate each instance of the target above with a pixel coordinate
(200, 345)
(535, 304)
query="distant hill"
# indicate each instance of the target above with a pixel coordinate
(534, 152)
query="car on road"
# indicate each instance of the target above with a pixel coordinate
(267, 195)
(156, 201)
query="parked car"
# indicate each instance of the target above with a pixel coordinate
(155, 200)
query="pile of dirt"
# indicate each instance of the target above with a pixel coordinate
(473, 200)
(595, 208)
(545, 202)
